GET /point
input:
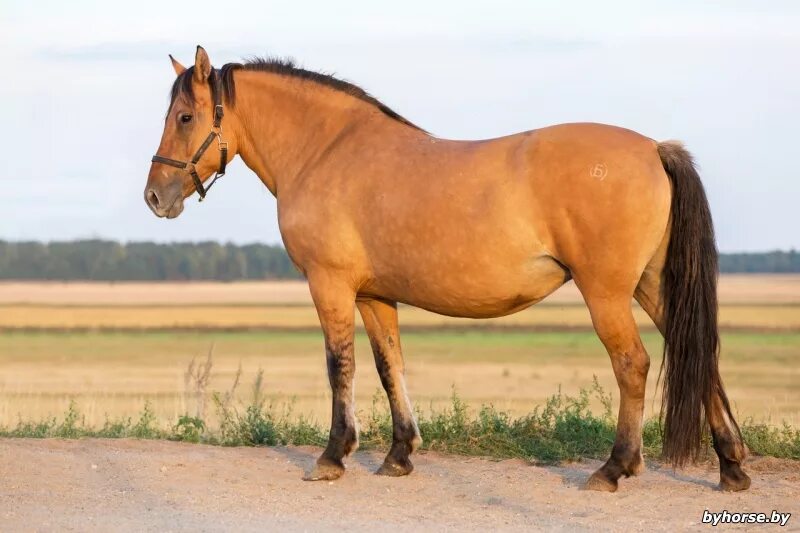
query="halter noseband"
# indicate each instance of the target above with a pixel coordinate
(216, 132)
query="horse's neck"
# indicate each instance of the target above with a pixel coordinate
(285, 124)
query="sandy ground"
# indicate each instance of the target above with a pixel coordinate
(129, 485)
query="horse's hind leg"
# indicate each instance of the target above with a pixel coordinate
(335, 303)
(729, 447)
(380, 321)
(613, 321)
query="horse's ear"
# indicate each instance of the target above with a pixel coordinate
(202, 65)
(179, 69)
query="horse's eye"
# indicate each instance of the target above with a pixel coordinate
(186, 118)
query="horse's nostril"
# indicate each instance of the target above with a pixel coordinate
(152, 199)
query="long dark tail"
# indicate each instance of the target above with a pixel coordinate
(691, 338)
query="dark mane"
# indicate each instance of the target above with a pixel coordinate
(286, 67)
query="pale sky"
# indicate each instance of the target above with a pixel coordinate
(84, 91)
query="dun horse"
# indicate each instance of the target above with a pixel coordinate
(374, 210)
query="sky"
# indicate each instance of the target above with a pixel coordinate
(85, 85)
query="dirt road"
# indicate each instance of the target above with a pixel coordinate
(130, 485)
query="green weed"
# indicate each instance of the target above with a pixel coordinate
(563, 429)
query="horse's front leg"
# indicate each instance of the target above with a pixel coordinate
(380, 321)
(335, 303)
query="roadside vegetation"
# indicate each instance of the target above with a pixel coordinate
(563, 429)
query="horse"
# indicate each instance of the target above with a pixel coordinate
(375, 211)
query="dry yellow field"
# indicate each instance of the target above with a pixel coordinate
(145, 293)
(514, 365)
(754, 302)
(733, 289)
(544, 316)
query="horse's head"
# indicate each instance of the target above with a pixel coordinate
(193, 145)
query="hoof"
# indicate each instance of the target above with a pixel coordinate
(325, 470)
(600, 482)
(734, 483)
(395, 469)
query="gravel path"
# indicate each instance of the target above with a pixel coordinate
(131, 485)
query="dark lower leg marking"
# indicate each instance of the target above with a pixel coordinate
(731, 475)
(380, 321)
(624, 461)
(341, 370)
(405, 440)
(728, 444)
(343, 438)
(405, 435)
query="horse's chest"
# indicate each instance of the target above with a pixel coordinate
(313, 235)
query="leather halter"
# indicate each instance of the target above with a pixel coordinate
(215, 133)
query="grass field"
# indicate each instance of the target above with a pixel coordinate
(116, 373)
(113, 348)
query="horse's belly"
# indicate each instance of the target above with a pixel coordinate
(474, 292)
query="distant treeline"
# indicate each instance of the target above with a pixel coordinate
(147, 261)
(767, 262)
(142, 261)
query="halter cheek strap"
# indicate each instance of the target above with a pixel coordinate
(215, 133)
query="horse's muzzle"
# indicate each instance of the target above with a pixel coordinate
(164, 203)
